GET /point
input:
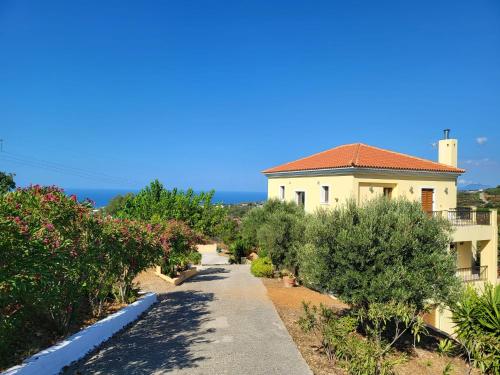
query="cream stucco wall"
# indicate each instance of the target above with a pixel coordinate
(341, 189)
(409, 187)
(448, 152)
(363, 187)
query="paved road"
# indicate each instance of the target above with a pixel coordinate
(213, 259)
(219, 322)
(209, 255)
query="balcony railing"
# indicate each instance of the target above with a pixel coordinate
(465, 216)
(473, 273)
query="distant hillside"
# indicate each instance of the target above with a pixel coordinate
(473, 187)
(488, 198)
(493, 191)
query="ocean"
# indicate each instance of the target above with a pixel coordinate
(101, 197)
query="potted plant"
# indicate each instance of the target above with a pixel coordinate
(288, 279)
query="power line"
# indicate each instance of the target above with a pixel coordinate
(64, 169)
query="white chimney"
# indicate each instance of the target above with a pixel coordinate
(448, 150)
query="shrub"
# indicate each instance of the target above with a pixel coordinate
(262, 267)
(117, 203)
(57, 256)
(477, 326)
(195, 257)
(196, 210)
(276, 228)
(387, 250)
(180, 248)
(239, 249)
(340, 341)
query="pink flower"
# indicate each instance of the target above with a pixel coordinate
(49, 227)
(73, 197)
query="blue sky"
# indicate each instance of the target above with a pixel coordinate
(208, 93)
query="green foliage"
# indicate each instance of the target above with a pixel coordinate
(262, 267)
(477, 325)
(341, 342)
(182, 251)
(396, 318)
(386, 250)
(6, 182)
(276, 227)
(448, 369)
(466, 199)
(238, 211)
(117, 203)
(56, 256)
(196, 210)
(228, 230)
(445, 347)
(239, 249)
(493, 191)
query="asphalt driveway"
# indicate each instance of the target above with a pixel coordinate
(219, 322)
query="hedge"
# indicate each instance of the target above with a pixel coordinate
(56, 255)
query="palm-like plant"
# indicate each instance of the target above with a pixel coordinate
(477, 326)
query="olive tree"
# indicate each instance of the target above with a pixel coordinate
(383, 251)
(277, 230)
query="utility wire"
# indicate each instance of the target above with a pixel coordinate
(65, 169)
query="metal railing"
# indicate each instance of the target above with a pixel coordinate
(476, 273)
(465, 216)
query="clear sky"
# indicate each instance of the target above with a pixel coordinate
(209, 93)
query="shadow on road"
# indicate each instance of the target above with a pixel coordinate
(209, 274)
(160, 341)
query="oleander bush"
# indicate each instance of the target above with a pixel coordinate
(56, 256)
(262, 267)
(181, 248)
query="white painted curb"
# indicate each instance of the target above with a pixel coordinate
(52, 360)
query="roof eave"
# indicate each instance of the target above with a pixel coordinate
(354, 170)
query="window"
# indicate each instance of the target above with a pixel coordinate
(388, 192)
(301, 198)
(282, 192)
(427, 200)
(325, 194)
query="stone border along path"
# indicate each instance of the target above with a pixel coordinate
(219, 322)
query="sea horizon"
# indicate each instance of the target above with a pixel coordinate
(101, 197)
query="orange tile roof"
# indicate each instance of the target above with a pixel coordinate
(362, 156)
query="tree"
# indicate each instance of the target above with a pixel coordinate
(384, 251)
(277, 229)
(117, 203)
(6, 182)
(157, 204)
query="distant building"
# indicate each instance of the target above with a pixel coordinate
(361, 172)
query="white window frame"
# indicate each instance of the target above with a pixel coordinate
(322, 195)
(282, 192)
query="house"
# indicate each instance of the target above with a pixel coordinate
(361, 172)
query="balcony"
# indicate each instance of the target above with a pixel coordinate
(465, 216)
(477, 273)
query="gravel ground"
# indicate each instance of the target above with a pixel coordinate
(288, 302)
